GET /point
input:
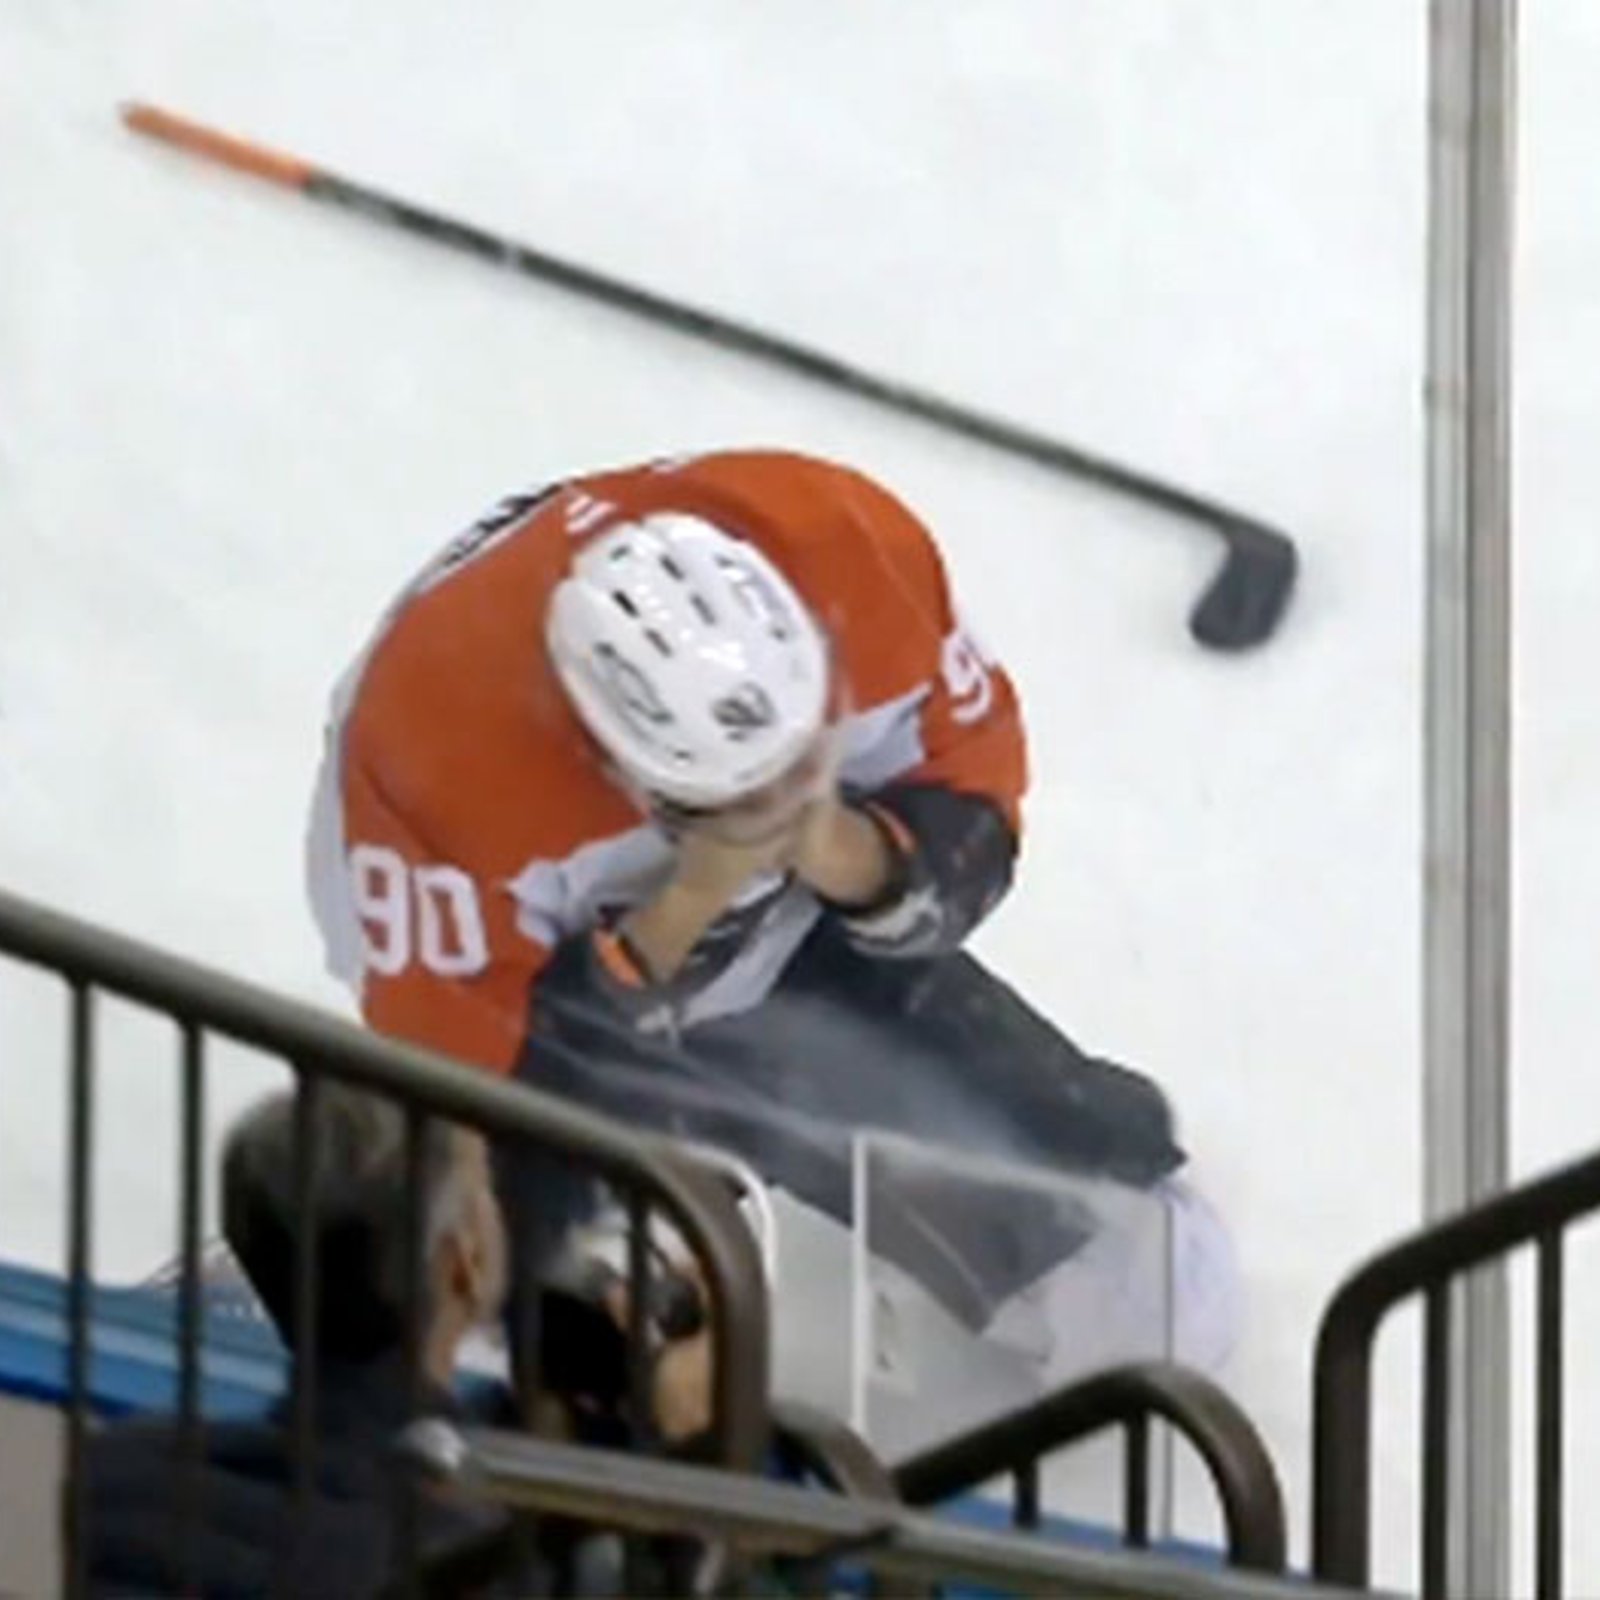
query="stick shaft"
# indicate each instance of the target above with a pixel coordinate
(291, 172)
(1245, 537)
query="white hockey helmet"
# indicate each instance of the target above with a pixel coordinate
(690, 658)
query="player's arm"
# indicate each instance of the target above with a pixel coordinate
(945, 860)
(947, 831)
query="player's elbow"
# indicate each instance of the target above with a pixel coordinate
(962, 867)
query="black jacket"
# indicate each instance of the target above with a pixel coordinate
(247, 1540)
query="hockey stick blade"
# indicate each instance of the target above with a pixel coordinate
(1245, 601)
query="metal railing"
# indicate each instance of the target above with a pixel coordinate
(757, 1518)
(1427, 1264)
(1127, 1398)
(653, 1175)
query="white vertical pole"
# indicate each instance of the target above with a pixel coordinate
(1467, 738)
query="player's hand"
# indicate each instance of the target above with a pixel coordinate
(841, 853)
(719, 852)
(715, 863)
(711, 869)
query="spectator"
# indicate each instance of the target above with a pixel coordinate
(246, 1539)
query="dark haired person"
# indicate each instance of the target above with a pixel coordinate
(247, 1539)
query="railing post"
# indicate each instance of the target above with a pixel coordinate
(416, 1295)
(191, 1304)
(80, 1287)
(1341, 1464)
(1025, 1495)
(1550, 1421)
(307, 1247)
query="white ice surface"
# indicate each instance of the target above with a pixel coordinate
(1186, 234)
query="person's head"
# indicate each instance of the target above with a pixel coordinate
(359, 1218)
(698, 670)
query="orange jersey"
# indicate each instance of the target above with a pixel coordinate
(463, 824)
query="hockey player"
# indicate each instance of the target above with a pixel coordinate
(676, 790)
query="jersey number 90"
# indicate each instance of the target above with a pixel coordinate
(428, 914)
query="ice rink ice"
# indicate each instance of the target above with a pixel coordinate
(1186, 233)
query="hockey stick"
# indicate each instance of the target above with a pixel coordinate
(1241, 606)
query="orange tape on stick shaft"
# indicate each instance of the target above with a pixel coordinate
(275, 167)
